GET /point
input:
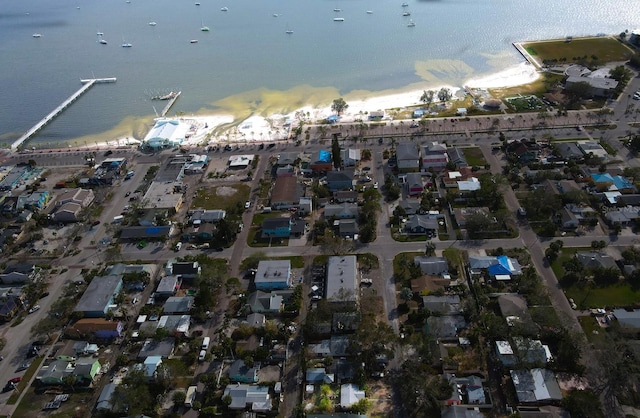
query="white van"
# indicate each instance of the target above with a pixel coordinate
(178, 247)
(118, 219)
(205, 343)
(191, 396)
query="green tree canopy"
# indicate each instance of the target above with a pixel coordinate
(339, 106)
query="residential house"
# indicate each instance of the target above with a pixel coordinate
(348, 228)
(566, 186)
(55, 372)
(82, 197)
(318, 375)
(569, 151)
(606, 181)
(593, 259)
(167, 287)
(9, 306)
(410, 206)
(408, 157)
(207, 216)
(495, 265)
(434, 266)
(524, 150)
(470, 185)
(68, 212)
(239, 372)
(345, 322)
(467, 390)
(86, 370)
(279, 227)
(535, 385)
(183, 269)
(342, 280)
(150, 366)
(256, 398)
(266, 303)
(83, 348)
(34, 201)
(461, 214)
(341, 211)
(350, 157)
(457, 411)
(526, 351)
(286, 193)
(623, 216)
(286, 171)
(273, 275)
(340, 180)
(321, 161)
(162, 348)
(413, 184)
(443, 305)
(256, 320)
(305, 206)
(18, 273)
(376, 115)
(345, 196)
(199, 232)
(434, 156)
(429, 283)
(99, 296)
(350, 394)
(176, 325)
(456, 155)
(421, 225)
(568, 219)
(177, 305)
(146, 232)
(288, 158)
(628, 318)
(515, 310)
(105, 401)
(95, 328)
(593, 148)
(445, 327)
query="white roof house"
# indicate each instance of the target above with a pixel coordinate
(342, 279)
(350, 394)
(273, 274)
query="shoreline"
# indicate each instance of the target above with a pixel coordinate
(222, 128)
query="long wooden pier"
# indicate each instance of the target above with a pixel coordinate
(86, 85)
(171, 102)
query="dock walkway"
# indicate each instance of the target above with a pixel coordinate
(171, 102)
(86, 85)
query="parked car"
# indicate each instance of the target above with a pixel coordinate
(16, 379)
(34, 308)
(23, 366)
(203, 354)
(44, 295)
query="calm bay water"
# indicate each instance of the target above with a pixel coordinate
(247, 63)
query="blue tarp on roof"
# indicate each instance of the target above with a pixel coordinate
(502, 267)
(618, 181)
(332, 118)
(324, 156)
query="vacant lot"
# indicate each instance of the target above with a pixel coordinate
(596, 49)
(474, 157)
(221, 197)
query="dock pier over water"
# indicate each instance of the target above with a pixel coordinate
(86, 85)
(171, 102)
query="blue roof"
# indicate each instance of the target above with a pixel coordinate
(324, 156)
(618, 181)
(333, 118)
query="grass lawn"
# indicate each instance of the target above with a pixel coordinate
(537, 87)
(25, 379)
(454, 257)
(589, 325)
(397, 236)
(603, 49)
(220, 197)
(591, 296)
(474, 156)
(565, 254)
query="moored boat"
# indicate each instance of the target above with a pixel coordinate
(37, 35)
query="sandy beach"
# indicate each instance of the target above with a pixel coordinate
(210, 129)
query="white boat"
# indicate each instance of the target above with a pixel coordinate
(405, 4)
(288, 32)
(99, 33)
(337, 10)
(102, 42)
(37, 35)
(193, 41)
(369, 12)
(275, 15)
(152, 23)
(126, 44)
(224, 9)
(406, 14)
(338, 19)
(411, 23)
(203, 28)
(197, 4)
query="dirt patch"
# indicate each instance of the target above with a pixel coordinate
(225, 191)
(380, 397)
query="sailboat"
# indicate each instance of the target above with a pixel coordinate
(288, 31)
(101, 41)
(204, 28)
(411, 23)
(126, 44)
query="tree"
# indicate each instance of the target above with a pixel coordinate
(406, 294)
(583, 404)
(578, 91)
(178, 398)
(430, 249)
(444, 94)
(427, 97)
(336, 155)
(339, 106)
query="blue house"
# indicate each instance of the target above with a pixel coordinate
(276, 228)
(273, 275)
(614, 182)
(504, 266)
(340, 180)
